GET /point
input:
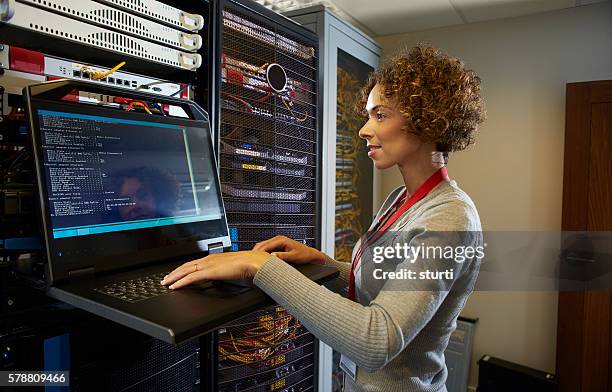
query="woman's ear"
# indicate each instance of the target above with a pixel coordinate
(438, 157)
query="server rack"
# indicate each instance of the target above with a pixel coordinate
(270, 169)
(41, 336)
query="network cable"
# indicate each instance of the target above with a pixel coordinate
(102, 75)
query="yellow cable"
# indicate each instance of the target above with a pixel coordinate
(136, 103)
(102, 75)
(261, 68)
(293, 114)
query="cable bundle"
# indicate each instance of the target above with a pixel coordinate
(348, 209)
(261, 341)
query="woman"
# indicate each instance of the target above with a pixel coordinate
(420, 105)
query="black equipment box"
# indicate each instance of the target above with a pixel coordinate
(497, 375)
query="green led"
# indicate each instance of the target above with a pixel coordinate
(8, 348)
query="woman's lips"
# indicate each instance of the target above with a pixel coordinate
(372, 150)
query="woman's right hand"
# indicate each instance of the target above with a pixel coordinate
(290, 250)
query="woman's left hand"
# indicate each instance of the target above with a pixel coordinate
(222, 266)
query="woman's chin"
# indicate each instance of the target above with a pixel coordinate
(382, 165)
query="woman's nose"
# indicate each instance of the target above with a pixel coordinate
(364, 132)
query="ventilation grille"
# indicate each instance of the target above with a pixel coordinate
(124, 22)
(48, 23)
(269, 150)
(160, 12)
(136, 364)
(267, 350)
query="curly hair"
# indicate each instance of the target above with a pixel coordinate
(436, 94)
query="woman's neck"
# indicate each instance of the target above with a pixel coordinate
(415, 173)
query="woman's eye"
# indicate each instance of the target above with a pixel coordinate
(379, 116)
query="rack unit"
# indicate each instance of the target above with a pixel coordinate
(269, 152)
(348, 56)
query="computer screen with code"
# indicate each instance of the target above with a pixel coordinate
(109, 174)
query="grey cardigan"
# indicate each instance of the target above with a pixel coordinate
(396, 332)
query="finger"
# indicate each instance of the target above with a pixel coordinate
(183, 266)
(262, 244)
(194, 277)
(276, 243)
(289, 257)
(181, 271)
(218, 271)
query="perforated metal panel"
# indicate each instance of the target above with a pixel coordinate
(132, 362)
(268, 350)
(160, 12)
(269, 171)
(58, 26)
(268, 138)
(123, 21)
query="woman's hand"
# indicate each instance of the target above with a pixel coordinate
(222, 266)
(290, 251)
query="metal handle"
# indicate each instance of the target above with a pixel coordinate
(7, 10)
(192, 22)
(578, 260)
(191, 41)
(191, 61)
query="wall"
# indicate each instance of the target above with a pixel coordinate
(514, 172)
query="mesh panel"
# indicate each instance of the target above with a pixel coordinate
(239, 117)
(255, 193)
(267, 180)
(276, 219)
(268, 177)
(157, 366)
(283, 375)
(229, 161)
(268, 137)
(257, 234)
(248, 245)
(267, 350)
(240, 371)
(239, 205)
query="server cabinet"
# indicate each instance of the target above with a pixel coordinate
(348, 56)
(267, 112)
(45, 40)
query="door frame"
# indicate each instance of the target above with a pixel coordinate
(584, 321)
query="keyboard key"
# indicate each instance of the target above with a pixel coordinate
(138, 289)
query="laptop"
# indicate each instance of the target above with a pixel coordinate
(126, 196)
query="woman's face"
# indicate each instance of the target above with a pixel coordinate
(388, 144)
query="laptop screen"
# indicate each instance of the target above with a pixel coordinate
(117, 183)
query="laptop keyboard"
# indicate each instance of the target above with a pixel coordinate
(137, 289)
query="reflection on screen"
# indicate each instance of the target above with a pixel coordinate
(109, 174)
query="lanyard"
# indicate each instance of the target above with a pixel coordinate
(388, 219)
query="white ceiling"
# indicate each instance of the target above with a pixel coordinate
(384, 17)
